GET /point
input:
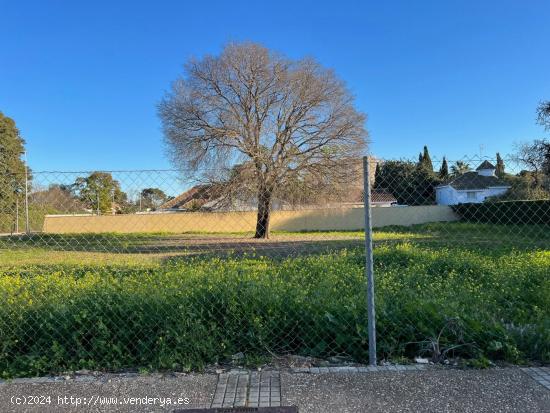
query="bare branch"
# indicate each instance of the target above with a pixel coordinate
(285, 121)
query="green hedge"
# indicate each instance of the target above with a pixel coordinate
(507, 212)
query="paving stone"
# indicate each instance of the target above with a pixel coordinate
(247, 389)
(540, 374)
(302, 370)
(363, 369)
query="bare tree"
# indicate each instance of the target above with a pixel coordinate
(536, 157)
(543, 114)
(284, 119)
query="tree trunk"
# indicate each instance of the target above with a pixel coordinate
(264, 209)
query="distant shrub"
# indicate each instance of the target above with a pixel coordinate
(36, 218)
(506, 212)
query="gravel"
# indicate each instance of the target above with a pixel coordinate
(432, 390)
(493, 390)
(94, 391)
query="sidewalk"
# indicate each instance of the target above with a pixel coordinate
(494, 390)
(431, 390)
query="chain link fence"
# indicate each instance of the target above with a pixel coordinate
(163, 270)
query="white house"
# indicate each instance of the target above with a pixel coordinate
(474, 186)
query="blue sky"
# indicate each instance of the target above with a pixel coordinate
(82, 79)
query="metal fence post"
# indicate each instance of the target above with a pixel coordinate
(17, 213)
(27, 227)
(369, 268)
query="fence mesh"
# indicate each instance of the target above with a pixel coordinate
(162, 270)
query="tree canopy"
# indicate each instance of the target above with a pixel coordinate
(459, 168)
(444, 170)
(407, 182)
(100, 193)
(152, 198)
(283, 118)
(12, 167)
(426, 160)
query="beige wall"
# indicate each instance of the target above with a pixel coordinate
(304, 220)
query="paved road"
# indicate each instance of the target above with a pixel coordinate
(437, 390)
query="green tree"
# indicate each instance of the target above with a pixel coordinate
(444, 170)
(426, 160)
(459, 168)
(408, 183)
(500, 166)
(522, 188)
(377, 173)
(12, 171)
(100, 193)
(152, 198)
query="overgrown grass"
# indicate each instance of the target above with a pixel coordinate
(59, 316)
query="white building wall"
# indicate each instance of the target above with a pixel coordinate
(486, 172)
(450, 196)
(445, 196)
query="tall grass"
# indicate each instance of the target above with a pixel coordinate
(183, 315)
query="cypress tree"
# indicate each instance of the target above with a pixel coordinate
(426, 161)
(444, 170)
(500, 166)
